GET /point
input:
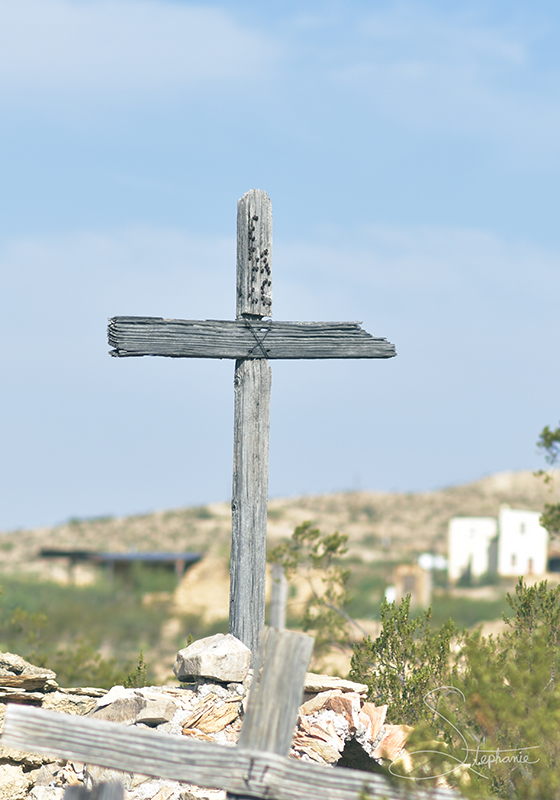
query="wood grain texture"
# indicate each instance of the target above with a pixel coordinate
(254, 255)
(249, 501)
(279, 596)
(250, 339)
(254, 774)
(104, 791)
(276, 691)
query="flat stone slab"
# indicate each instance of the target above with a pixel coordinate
(321, 683)
(157, 711)
(17, 673)
(221, 657)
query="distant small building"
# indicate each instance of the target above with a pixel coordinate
(414, 580)
(471, 547)
(514, 544)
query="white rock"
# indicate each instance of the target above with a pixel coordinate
(46, 793)
(222, 657)
(113, 694)
(14, 782)
(94, 775)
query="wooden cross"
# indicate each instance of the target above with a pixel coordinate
(257, 768)
(252, 340)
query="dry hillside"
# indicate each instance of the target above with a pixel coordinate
(383, 528)
(380, 525)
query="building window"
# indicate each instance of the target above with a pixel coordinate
(530, 566)
(522, 528)
(513, 559)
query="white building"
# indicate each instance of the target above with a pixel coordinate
(470, 547)
(522, 544)
(515, 544)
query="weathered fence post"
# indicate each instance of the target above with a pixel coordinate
(276, 693)
(105, 791)
(279, 597)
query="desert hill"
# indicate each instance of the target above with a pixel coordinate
(380, 525)
(383, 528)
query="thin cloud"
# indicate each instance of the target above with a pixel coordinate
(363, 272)
(451, 71)
(138, 46)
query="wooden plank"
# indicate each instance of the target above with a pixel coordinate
(243, 339)
(104, 791)
(249, 501)
(279, 596)
(204, 764)
(276, 691)
(254, 255)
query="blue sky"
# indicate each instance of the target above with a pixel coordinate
(411, 152)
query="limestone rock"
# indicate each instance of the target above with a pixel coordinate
(21, 696)
(14, 782)
(196, 793)
(222, 657)
(68, 703)
(317, 702)
(392, 744)
(348, 705)
(16, 672)
(87, 691)
(316, 749)
(124, 710)
(335, 725)
(69, 776)
(46, 793)
(375, 716)
(27, 760)
(47, 773)
(94, 775)
(319, 740)
(157, 711)
(116, 693)
(320, 683)
(211, 715)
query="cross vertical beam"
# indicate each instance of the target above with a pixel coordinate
(252, 383)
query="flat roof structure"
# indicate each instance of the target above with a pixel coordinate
(178, 561)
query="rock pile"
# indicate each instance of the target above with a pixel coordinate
(335, 725)
(22, 774)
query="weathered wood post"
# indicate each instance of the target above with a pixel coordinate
(279, 597)
(252, 383)
(276, 693)
(105, 791)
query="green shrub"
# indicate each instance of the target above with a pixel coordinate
(492, 719)
(308, 552)
(137, 678)
(406, 661)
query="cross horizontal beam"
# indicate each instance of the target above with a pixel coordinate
(243, 339)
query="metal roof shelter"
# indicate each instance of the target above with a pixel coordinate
(121, 562)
